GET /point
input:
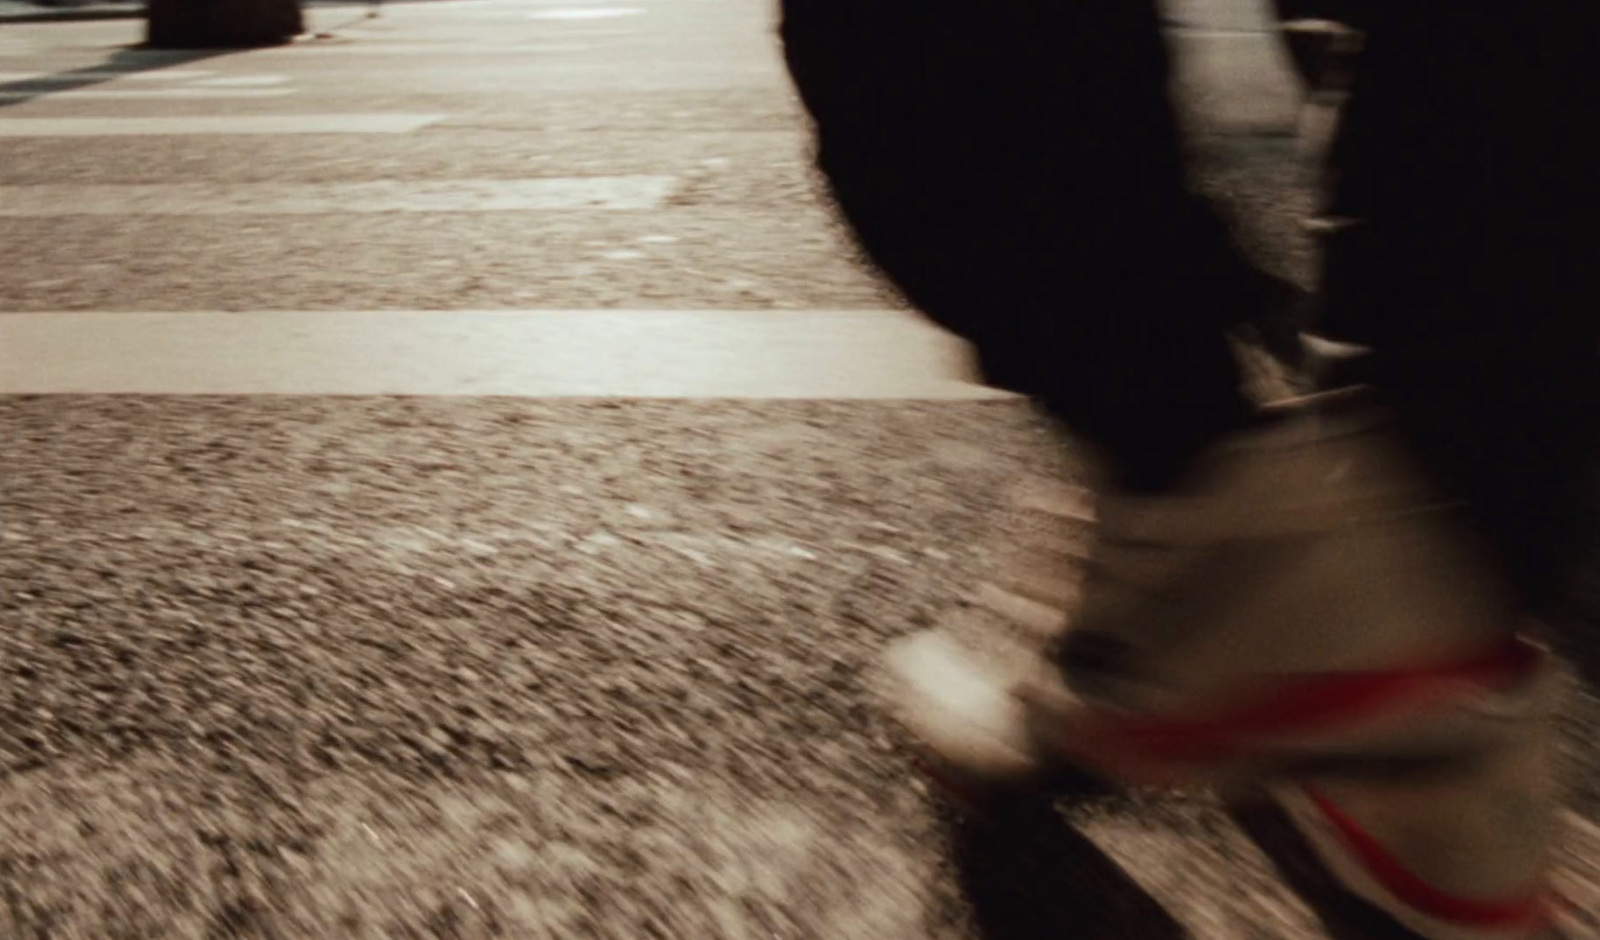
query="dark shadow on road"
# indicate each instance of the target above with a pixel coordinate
(1030, 876)
(129, 60)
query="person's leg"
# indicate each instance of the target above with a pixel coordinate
(1014, 167)
(1293, 591)
(1311, 617)
(1467, 164)
(1466, 161)
(1465, 171)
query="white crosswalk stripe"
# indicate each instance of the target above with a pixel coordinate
(586, 13)
(137, 94)
(100, 75)
(732, 353)
(542, 353)
(460, 195)
(366, 123)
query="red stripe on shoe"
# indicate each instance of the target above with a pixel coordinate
(1317, 704)
(1528, 911)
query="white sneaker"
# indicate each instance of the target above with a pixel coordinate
(1303, 563)
(1304, 610)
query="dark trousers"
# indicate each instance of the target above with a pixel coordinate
(1014, 166)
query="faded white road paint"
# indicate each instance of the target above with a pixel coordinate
(586, 13)
(189, 199)
(244, 81)
(71, 76)
(121, 94)
(360, 123)
(535, 353)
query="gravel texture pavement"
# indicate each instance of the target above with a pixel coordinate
(479, 667)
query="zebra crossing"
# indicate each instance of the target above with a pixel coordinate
(168, 83)
(701, 345)
(494, 364)
(717, 354)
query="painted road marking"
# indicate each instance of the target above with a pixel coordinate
(116, 94)
(585, 13)
(550, 193)
(434, 49)
(244, 81)
(71, 77)
(806, 354)
(385, 123)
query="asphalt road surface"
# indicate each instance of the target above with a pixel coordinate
(456, 478)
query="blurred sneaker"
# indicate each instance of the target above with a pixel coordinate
(1307, 613)
(1304, 593)
(1434, 846)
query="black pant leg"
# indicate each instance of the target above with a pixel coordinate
(1467, 158)
(1014, 167)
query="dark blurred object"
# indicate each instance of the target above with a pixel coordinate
(233, 24)
(1015, 169)
(1030, 876)
(1334, 365)
(1323, 53)
(1322, 37)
